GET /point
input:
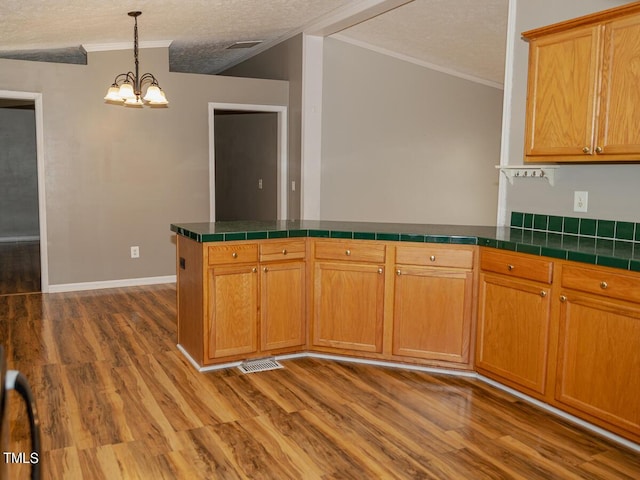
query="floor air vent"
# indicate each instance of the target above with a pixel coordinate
(261, 365)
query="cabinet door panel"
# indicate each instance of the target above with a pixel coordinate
(619, 112)
(283, 305)
(513, 330)
(561, 95)
(233, 310)
(599, 359)
(432, 314)
(348, 311)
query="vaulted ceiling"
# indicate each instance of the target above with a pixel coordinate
(461, 36)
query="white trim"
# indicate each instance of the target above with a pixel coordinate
(417, 61)
(311, 128)
(42, 197)
(283, 155)
(501, 214)
(127, 282)
(104, 47)
(439, 371)
(22, 238)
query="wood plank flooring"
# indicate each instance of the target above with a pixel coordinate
(117, 400)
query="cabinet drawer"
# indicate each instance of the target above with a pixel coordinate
(235, 253)
(601, 282)
(351, 250)
(517, 265)
(434, 256)
(282, 250)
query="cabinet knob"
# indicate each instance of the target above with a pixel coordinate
(543, 293)
(603, 285)
(398, 272)
(284, 251)
(254, 269)
(586, 150)
(234, 255)
(380, 270)
(432, 258)
(563, 299)
(598, 149)
(348, 253)
(265, 269)
(510, 267)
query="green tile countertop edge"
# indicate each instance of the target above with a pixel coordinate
(619, 254)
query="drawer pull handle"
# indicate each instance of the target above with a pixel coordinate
(348, 253)
(603, 285)
(432, 258)
(563, 299)
(380, 270)
(284, 251)
(234, 255)
(398, 272)
(543, 293)
(510, 267)
(265, 269)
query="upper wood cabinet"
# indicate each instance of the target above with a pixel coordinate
(583, 100)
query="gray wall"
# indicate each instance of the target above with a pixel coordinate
(614, 191)
(283, 62)
(18, 174)
(403, 143)
(117, 177)
(246, 151)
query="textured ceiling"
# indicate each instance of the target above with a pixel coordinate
(465, 36)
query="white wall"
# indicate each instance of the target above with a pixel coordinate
(403, 143)
(613, 189)
(117, 177)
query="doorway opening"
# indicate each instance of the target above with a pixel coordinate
(248, 162)
(23, 245)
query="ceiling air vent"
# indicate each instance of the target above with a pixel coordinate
(244, 44)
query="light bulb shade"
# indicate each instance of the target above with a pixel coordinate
(134, 102)
(126, 91)
(161, 101)
(154, 94)
(113, 94)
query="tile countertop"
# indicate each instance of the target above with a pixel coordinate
(580, 248)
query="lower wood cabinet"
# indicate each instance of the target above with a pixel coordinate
(348, 306)
(433, 303)
(240, 300)
(282, 305)
(514, 320)
(232, 319)
(598, 370)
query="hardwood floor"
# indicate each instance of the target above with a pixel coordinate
(19, 267)
(117, 400)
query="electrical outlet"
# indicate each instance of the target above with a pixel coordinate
(260, 184)
(293, 185)
(580, 201)
(135, 252)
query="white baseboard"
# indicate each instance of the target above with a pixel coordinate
(127, 282)
(22, 238)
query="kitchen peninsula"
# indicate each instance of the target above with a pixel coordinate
(550, 310)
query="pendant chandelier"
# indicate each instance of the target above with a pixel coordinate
(127, 87)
